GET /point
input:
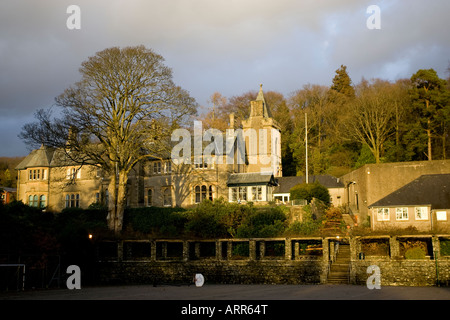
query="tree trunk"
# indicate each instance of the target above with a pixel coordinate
(121, 201)
(112, 196)
(429, 133)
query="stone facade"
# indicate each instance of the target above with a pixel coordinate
(47, 179)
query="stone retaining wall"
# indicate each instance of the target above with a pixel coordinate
(271, 261)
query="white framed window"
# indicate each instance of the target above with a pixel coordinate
(157, 167)
(441, 215)
(401, 213)
(168, 167)
(243, 193)
(73, 173)
(234, 194)
(257, 193)
(37, 174)
(421, 213)
(382, 214)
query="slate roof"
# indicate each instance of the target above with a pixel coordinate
(247, 179)
(432, 189)
(286, 183)
(41, 157)
(45, 157)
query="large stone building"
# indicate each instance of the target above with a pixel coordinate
(246, 171)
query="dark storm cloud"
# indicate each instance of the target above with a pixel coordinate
(228, 46)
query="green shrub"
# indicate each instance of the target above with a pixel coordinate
(445, 247)
(154, 220)
(306, 228)
(415, 253)
(308, 191)
(263, 223)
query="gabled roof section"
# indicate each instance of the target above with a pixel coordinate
(41, 157)
(432, 189)
(285, 184)
(248, 179)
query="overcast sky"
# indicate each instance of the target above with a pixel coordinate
(230, 46)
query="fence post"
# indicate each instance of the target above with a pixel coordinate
(218, 250)
(262, 249)
(252, 249)
(185, 250)
(288, 249)
(229, 249)
(394, 247)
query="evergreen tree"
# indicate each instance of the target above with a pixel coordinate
(342, 82)
(429, 98)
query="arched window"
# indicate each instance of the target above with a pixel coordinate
(42, 202)
(67, 201)
(167, 195)
(197, 194)
(203, 193)
(33, 201)
(211, 193)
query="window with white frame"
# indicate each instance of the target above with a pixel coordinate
(168, 167)
(37, 174)
(257, 193)
(421, 213)
(441, 215)
(157, 167)
(234, 194)
(382, 214)
(73, 173)
(243, 193)
(401, 213)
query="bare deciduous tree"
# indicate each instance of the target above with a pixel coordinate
(372, 110)
(122, 111)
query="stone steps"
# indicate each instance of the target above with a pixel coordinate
(339, 272)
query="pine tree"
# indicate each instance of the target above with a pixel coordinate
(342, 82)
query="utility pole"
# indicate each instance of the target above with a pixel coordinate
(306, 144)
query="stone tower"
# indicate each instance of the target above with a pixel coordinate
(262, 139)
